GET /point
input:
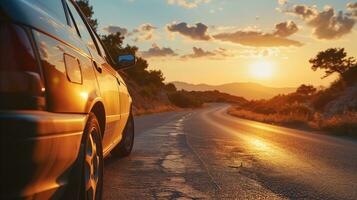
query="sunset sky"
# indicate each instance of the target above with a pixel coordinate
(222, 41)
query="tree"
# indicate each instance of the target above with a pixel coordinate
(88, 12)
(113, 43)
(333, 60)
(170, 87)
(306, 90)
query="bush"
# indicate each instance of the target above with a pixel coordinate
(344, 124)
(325, 96)
(183, 99)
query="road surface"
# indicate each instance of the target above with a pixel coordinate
(208, 154)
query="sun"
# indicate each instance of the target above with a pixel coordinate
(262, 69)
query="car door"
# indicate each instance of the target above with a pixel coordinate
(124, 97)
(106, 78)
(125, 102)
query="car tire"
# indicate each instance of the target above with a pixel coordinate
(125, 146)
(92, 161)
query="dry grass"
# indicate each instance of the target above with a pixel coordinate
(157, 109)
(343, 124)
(269, 118)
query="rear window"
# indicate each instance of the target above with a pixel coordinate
(16, 52)
(53, 7)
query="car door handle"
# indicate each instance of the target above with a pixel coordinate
(97, 67)
(118, 81)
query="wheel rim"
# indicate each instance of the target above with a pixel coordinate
(92, 165)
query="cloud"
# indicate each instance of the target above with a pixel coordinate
(303, 11)
(352, 8)
(198, 52)
(195, 32)
(326, 24)
(187, 3)
(115, 29)
(143, 32)
(286, 29)
(145, 27)
(156, 51)
(256, 39)
(201, 53)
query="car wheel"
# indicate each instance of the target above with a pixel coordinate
(125, 146)
(92, 171)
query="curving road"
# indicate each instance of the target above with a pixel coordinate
(208, 154)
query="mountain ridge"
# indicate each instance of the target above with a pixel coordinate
(248, 90)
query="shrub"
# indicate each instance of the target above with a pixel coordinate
(344, 124)
(325, 96)
(183, 99)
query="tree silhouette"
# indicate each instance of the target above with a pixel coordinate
(306, 90)
(88, 12)
(333, 60)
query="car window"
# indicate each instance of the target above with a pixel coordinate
(81, 27)
(54, 8)
(101, 49)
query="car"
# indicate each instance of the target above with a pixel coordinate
(64, 107)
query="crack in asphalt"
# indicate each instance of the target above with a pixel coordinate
(167, 165)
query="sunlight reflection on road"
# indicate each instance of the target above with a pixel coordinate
(260, 145)
(279, 157)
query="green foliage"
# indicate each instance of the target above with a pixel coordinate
(88, 12)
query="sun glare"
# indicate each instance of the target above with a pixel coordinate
(262, 69)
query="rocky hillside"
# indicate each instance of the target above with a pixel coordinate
(144, 102)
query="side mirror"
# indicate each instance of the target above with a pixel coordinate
(125, 61)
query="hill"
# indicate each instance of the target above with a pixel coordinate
(247, 90)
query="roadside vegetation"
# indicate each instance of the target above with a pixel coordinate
(332, 109)
(189, 99)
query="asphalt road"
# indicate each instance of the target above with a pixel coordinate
(208, 154)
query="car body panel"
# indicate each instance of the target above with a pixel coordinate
(63, 95)
(43, 146)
